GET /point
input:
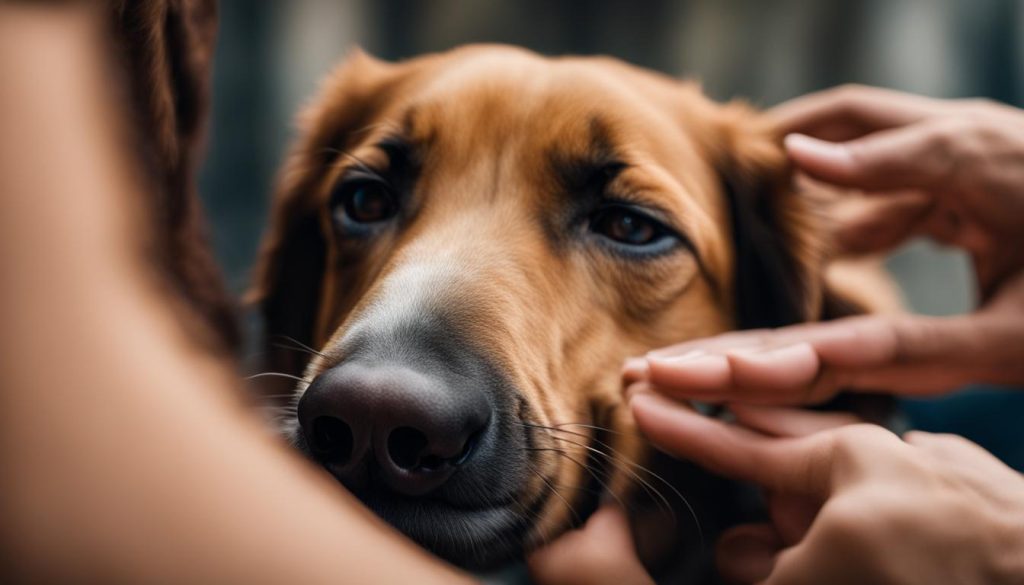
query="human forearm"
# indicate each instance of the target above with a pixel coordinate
(126, 456)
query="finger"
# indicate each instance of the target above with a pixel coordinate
(696, 373)
(602, 552)
(799, 465)
(810, 363)
(879, 224)
(789, 422)
(755, 374)
(791, 515)
(730, 340)
(746, 553)
(911, 157)
(850, 112)
(634, 370)
(797, 566)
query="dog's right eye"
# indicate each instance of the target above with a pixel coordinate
(363, 202)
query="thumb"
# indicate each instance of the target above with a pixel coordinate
(909, 157)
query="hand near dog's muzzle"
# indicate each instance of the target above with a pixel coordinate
(852, 503)
(952, 171)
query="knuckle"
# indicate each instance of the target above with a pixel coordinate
(850, 92)
(977, 106)
(853, 441)
(850, 523)
(942, 138)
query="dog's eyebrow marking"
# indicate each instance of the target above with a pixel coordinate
(595, 167)
(589, 173)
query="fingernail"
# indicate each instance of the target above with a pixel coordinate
(696, 360)
(830, 152)
(679, 359)
(636, 388)
(638, 396)
(776, 354)
(635, 368)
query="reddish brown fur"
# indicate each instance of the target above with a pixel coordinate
(165, 49)
(560, 321)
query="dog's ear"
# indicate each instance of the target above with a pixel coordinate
(290, 268)
(164, 49)
(778, 234)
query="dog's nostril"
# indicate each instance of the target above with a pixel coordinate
(405, 446)
(332, 440)
(467, 450)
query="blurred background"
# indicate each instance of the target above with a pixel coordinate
(271, 55)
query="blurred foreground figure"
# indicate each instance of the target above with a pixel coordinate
(127, 455)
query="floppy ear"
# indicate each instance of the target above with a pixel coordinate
(289, 271)
(165, 50)
(778, 234)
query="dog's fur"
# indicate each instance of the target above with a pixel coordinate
(164, 51)
(503, 153)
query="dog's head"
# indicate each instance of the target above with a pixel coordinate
(473, 242)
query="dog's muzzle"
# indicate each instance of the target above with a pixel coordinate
(406, 423)
(427, 432)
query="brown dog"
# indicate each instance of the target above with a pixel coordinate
(474, 241)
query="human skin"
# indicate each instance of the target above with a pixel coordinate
(960, 166)
(853, 503)
(127, 453)
(848, 503)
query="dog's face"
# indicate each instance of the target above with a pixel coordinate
(474, 241)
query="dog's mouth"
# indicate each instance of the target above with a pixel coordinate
(472, 528)
(442, 451)
(477, 537)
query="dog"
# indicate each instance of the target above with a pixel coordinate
(465, 247)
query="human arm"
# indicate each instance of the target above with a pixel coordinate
(127, 456)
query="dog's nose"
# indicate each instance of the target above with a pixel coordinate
(411, 424)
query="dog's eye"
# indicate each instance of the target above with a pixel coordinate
(625, 226)
(365, 201)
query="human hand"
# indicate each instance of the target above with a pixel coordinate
(810, 363)
(958, 166)
(852, 504)
(600, 553)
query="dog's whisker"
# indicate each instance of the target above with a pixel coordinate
(619, 462)
(277, 374)
(588, 426)
(298, 345)
(554, 490)
(622, 460)
(536, 514)
(602, 482)
(623, 466)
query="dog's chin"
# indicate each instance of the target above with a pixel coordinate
(476, 538)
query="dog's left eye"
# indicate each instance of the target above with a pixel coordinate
(626, 226)
(364, 202)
